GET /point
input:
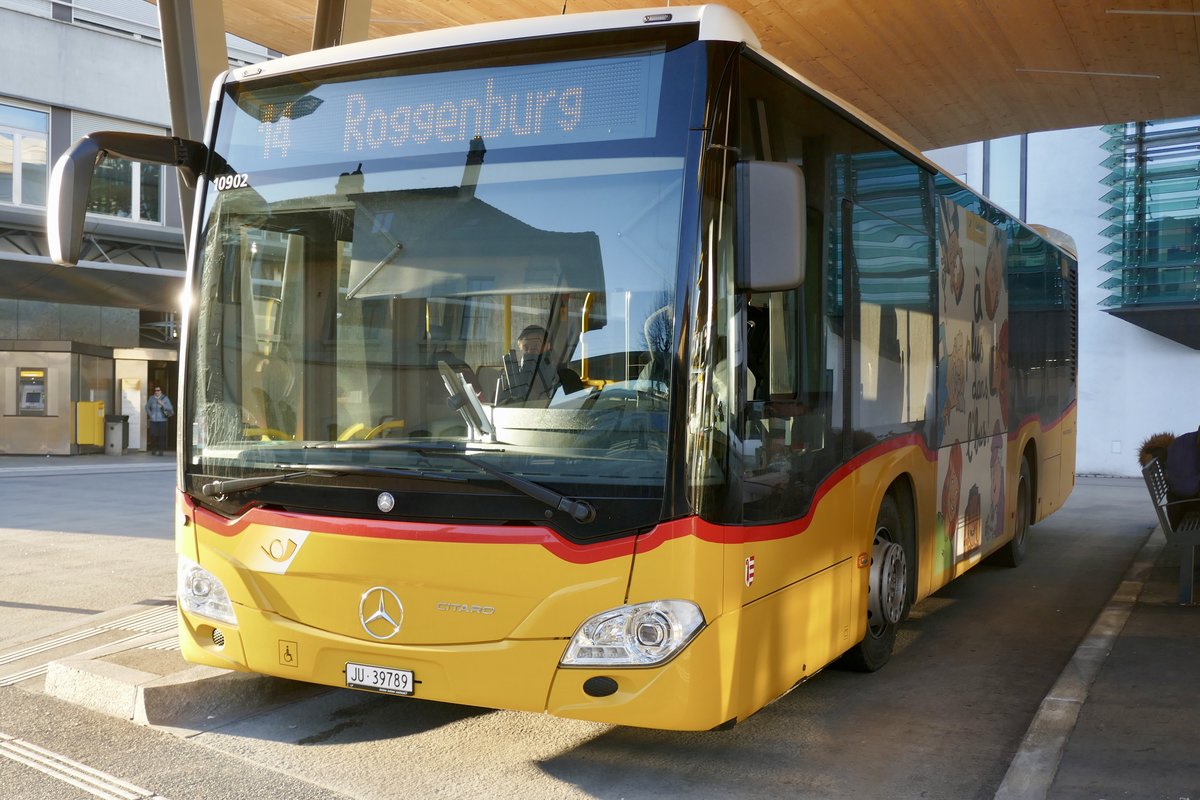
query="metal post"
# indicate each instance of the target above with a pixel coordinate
(194, 53)
(340, 21)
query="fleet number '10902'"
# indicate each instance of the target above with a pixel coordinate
(379, 679)
(238, 181)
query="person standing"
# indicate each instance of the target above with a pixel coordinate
(158, 411)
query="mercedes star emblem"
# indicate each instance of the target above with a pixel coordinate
(380, 612)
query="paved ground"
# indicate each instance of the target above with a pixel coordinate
(53, 535)
(1135, 734)
(1118, 723)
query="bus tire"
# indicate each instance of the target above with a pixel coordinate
(887, 592)
(1013, 553)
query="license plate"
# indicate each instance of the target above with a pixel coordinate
(379, 679)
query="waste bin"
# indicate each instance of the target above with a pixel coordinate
(116, 434)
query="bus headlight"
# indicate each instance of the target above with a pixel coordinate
(201, 593)
(641, 635)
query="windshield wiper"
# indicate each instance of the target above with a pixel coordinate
(579, 510)
(220, 489)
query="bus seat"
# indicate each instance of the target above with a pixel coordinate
(489, 379)
(386, 424)
(353, 432)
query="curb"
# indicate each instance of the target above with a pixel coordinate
(84, 469)
(194, 699)
(1035, 764)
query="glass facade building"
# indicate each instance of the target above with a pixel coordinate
(1153, 229)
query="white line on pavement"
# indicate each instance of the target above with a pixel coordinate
(81, 776)
(155, 620)
(1032, 771)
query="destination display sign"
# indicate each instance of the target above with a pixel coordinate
(574, 102)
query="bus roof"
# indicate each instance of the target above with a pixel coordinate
(717, 23)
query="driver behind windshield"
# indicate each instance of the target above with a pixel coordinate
(531, 373)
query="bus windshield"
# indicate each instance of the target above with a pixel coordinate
(481, 259)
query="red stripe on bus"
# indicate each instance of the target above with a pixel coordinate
(417, 531)
(548, 539)
(1046, 427)
(743, 534)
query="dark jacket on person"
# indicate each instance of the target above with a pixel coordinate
(1182, 468)
(1183, 465)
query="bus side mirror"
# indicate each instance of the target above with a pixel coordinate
(771, 226)
(71, 180)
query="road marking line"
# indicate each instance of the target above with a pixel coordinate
(160, 619)
(93, 781)
(155, 620)
(1035, 765)
(165, 644)
(17, 677)
(71, 638)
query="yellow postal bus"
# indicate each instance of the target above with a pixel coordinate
(595, 364)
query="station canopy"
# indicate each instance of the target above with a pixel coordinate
(938, 72)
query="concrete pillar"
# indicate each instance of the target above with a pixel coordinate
(194, 53)
(340, 21)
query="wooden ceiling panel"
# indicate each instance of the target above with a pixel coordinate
(939, 72)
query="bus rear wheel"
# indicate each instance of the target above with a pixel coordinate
(1013, 553)
(887, 591)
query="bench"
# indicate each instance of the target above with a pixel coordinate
(1185, 533)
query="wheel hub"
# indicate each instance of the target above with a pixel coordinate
(888, 583)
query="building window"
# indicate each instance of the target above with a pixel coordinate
(23, 161)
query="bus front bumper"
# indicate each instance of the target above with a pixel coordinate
(685, 693)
